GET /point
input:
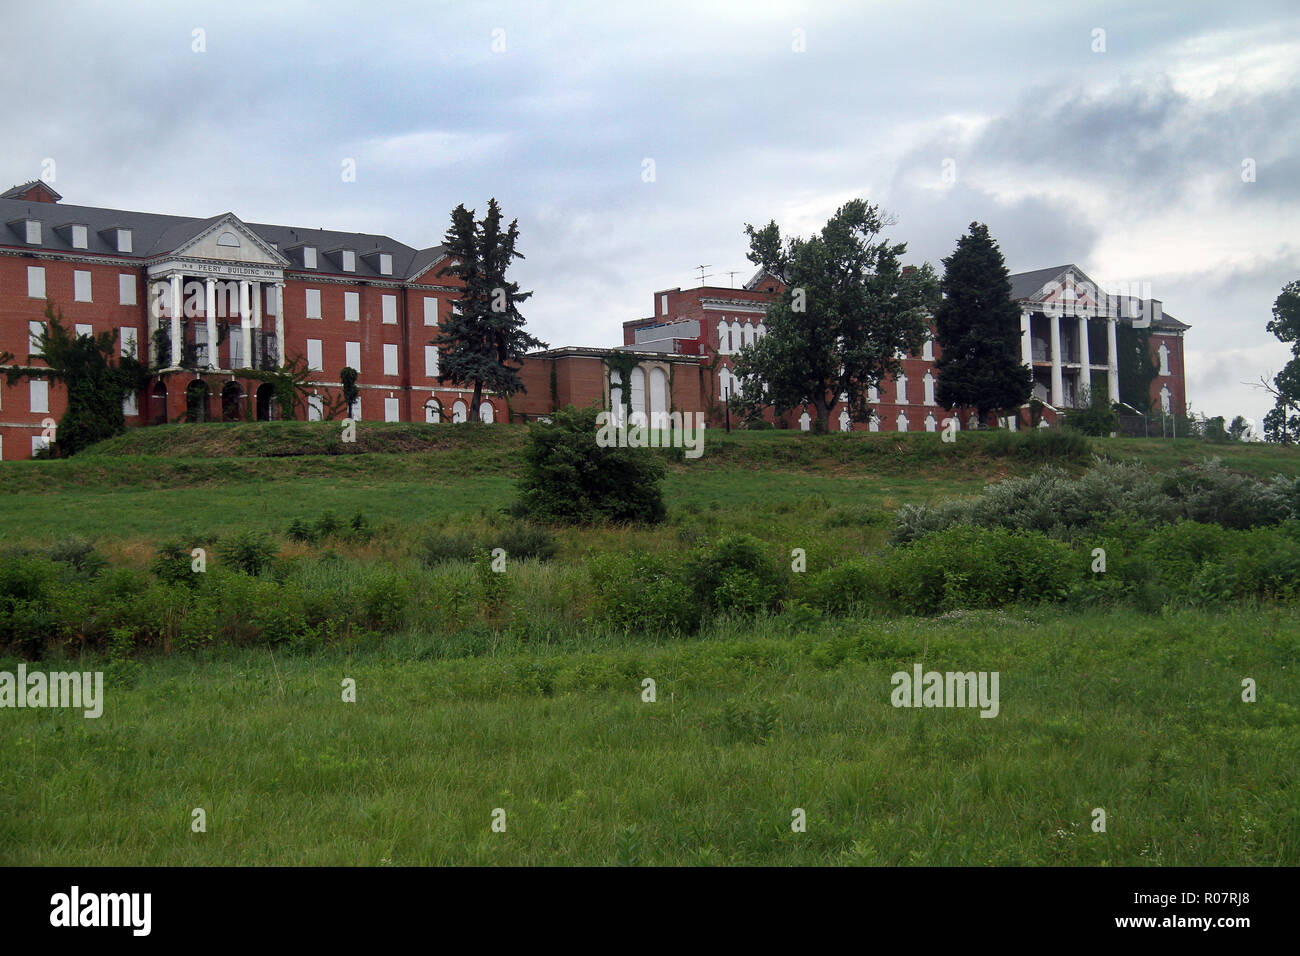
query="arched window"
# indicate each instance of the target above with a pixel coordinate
(930, 423)
(459, 411)
(900, 387)
(874, 425)
(486, 414)
(1166, 398)
(616, 397)
(315, 408)
(722, 337)
(846, 424)
(658, 392)
(735, 335)
(431, 411)
(929, 389)
(927, 351)
(902, 421)
(638, 391)
(805, 422)
(1164, 359)
(873, 394)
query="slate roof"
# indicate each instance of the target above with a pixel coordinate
(1024, 285)
(154, 234)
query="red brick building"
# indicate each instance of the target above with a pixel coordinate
(224, 296)
(211, 302)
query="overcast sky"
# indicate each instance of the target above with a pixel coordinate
(1127, 161)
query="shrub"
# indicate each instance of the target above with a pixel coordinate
(642, 592)
(735, 574)
(439, 548)
(79, 554)
(569, 478)
(251, 552)
(522, 541)
(172, 563)
(858, 583)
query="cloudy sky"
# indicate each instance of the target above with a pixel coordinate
(1093, 133)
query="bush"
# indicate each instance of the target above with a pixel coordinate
(642, 592)
(569, 478)
(735, 574)
(172, 563)
(251, 552)
(439, 548)
(855, 584)
(522, 541)
(79, 554)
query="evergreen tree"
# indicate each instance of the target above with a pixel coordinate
(483, 342)
(1281, 423)
(96, 384)
(847, 311)
(977, 327)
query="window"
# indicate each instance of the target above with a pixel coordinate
(1164, 359)
(313, 303)
(85, 329)
(385, 264)
(352, 306)
(902, 421)
(129, 406)
(39, 443)
(125, 289)
(34, 231)
(228, 239)
(349, 261)
(431, 411)
(236, 348)
(390, 359)
(431, 361)
(34, 330)
(124, 240)
(929, 389)
(315, 359)
(663, 304)
(79, 237)
(458, 412)
(873, 394)
(315, 408)
(309, 258)
(39, 395)
(902, 391)
(81, 286)
(927, 352)
(485, 413)
(430, 310)
(36, 282)
(126, 342)
(930, 423)
(391, 413)
(353, 356)
(390, 310)
(354, 412)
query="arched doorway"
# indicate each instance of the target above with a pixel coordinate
(458, 412)
(265, 398)
(231, 402)
(196, 401)
(158, 404)
(485, 413)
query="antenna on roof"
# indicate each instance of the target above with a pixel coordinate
(731, 276)
(703, 275)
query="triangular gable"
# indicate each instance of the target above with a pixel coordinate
(1069, 290)
(224, 237)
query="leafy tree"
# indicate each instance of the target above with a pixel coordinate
(1097, 418)
(348, 376)
(570, 478)
(977, 326)
(1136, 368)
(1281, 423)
(847, 311)
(95, 380)
(484, 342)
(1238, 428)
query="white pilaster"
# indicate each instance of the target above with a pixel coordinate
(279, 321)
(177, 293)
(210, 310)
(1058, 385)
(1085, 360)
(257, 294)
(1112, 360)
(1026, 341)
(245, 321)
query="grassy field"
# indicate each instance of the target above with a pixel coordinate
(1137, 714)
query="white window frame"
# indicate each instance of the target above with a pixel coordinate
(126, 291)
(124, 240)
(351, 306)
(80, 237)
(392, 410)
(352, 355)
(385, 264)
(85, 328)
(82, 286)
(38, 396)
(349, 260)
(431, 361)
(390, 309)
(128, 341)
(430, 310)
(312, 303)
(316, 355)
(309, 257)
(33, 232)
(35, 282)
(390, 359)
(34, 329)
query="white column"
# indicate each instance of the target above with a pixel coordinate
(279, 321)
(245, 320)
(155, 317)
(1026, 341)
(1112, 360)
(1058, 386)
(176, 318)
(1085, 360)
(257, 293)
(210, 310)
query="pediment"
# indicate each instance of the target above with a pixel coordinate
(227, 239)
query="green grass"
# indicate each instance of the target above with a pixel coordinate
(1140, 716)
(1137, 714)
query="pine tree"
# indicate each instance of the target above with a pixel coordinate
(484, 342)
(977, 327)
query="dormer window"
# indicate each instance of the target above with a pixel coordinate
(34, 231)
(385, 264)
(349, 261)
(124, 240)
(79, 237)
(309, 257)
(228, 239)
